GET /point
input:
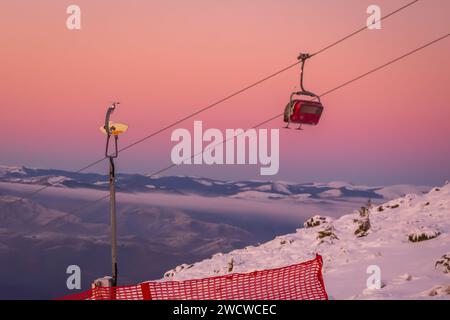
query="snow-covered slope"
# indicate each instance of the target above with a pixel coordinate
(408, 268)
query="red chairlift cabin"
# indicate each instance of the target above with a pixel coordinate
(303, 111)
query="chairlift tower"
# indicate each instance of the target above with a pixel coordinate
(112, 129)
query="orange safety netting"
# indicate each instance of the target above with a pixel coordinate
(301, 281)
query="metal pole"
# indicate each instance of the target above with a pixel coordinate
(112, 192)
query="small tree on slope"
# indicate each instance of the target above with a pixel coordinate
(363, 220)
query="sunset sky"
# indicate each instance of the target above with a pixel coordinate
(165, 59)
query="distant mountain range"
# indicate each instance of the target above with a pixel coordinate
(187, 185)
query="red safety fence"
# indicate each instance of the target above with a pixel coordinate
(301, 281)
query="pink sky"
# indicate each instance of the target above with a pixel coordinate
(166, 59)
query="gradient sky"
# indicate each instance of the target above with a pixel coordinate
(165, 59)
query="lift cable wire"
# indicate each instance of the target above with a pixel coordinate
(210, 106)
(280, 114)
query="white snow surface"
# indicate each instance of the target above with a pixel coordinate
(257, 195)
(407, 269)
(11, 169)
(400, 190)
(280, 188)
(331, 193)
(58, 180)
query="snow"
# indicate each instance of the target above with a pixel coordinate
(58, 181)
(400, 190)
(299, 197)
(101, 183)
(280, 188)
(389, 192)
(331, 193)
(338, 185)
(264, 187)
(205, 182)
(4, 170)
(256, 195)
(407, 268)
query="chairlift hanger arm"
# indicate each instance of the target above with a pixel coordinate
(108, 132)
(108, 116)
(303, 57)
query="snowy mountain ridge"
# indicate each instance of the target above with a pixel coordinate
(407, 238)
(191, 185)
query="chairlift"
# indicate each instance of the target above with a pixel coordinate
(299, 110)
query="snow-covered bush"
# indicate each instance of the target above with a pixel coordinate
(169, 274)
(423, 234)
(327, 234)
(230, 264)
(363, 222)
(363, 212)
(363, 228)
(178, 269)
(443, 263)
(439, 291)
(316, 221)
(284, 241)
